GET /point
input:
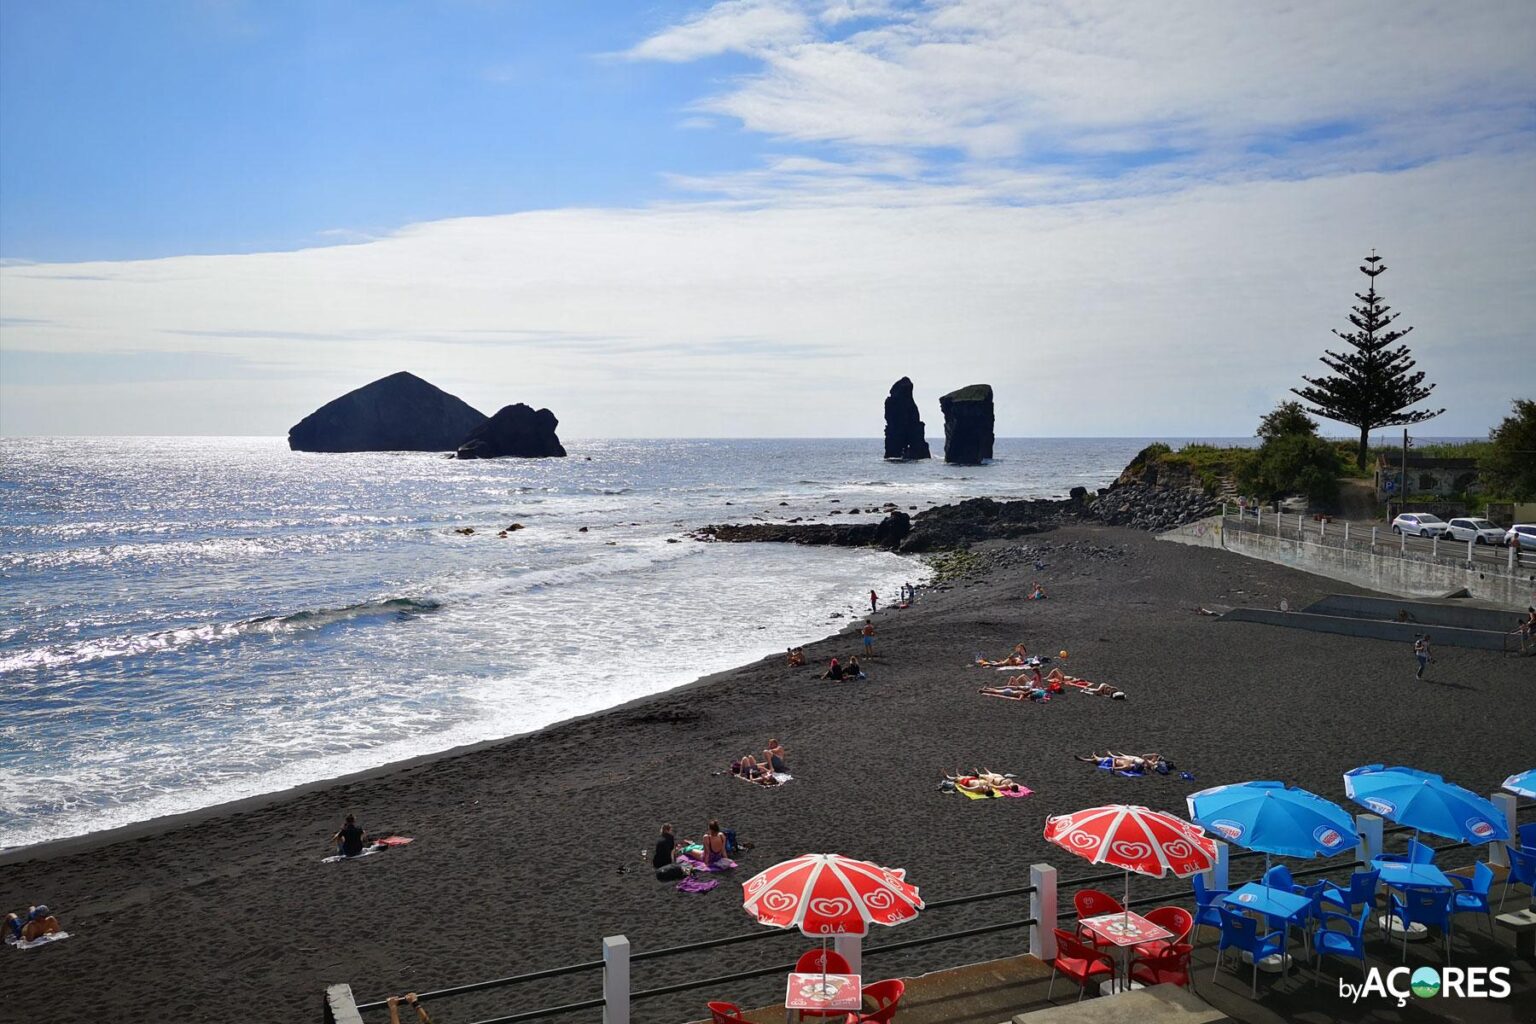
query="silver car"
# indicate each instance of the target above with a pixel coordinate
(1479, 530)
(1419, 524)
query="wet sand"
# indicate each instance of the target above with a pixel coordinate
(229, 915)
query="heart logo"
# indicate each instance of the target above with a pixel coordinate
(880, 899)
(1083, 841)
(834, 907)
(779, 902)
(1131, 851)
(756, 885)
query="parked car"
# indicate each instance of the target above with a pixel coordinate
(1527, 532)
(1419, 524)
(1479, 530)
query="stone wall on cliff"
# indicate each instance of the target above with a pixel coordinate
(905, 432)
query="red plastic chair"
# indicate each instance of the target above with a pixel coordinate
(1078, 961)
(811, 963)
(886, 996)
(1167, 966)
(1092, 903)
(726, 1013)
(1174, 919)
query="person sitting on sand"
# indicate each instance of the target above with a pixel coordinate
(853, 670)
(393, 1002)
(1103, 690)
(774, 755)
(351, 839)
(714, 843)
(666, 848)
(796, 657)
(1036, 593)
(834, 670)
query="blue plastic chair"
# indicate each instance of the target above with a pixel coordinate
(1314, 914)
(1420, 853)
(1522, 870)
(1208, 905)
(1527, 834)
(1241, 932)
(1362, 889)
(1279, 877)
(1329, 941)
(1472, 894)
(1430, 907)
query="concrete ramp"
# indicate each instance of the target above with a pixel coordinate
(1399, 620)
(1162, 1004)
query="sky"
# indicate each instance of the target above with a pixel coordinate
(749, 217)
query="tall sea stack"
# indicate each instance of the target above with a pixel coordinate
(398, 413)
(968, 425)
(904, 431)
(517, 431)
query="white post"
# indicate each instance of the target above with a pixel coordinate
(1042, 907)
(1216, 877)
(851, 949)
(615, 980)
(1373, 538)
(1470, 541)
(1322, 529)
(1434, 547)
(1258, 517)
(1403, 547)
(1512, 550)
(1346, 533)
(1368, 830)
(1498, 853)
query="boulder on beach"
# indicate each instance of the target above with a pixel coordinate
(398, 413)
(904, 429)
(516, 431)
(968, 425)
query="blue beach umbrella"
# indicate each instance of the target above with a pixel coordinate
(1425, 803)
(1274, 818)
(1523, 784)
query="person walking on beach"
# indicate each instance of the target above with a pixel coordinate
(874, 602)
(350, 839)
(869, 638)
(1421, 652)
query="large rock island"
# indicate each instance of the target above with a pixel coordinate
(968, 425)
(517, 430)
(904, 429)
(398, 413)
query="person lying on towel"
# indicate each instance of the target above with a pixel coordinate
(1014, 692)
(38, 922)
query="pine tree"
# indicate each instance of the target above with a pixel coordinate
(1371, 386)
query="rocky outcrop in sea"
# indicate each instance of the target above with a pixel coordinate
(905, 432)
(968, 423)
(400, 412)
(517, 431)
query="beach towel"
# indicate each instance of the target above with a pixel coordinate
(41, 940)
(779, 777)
(1022, 696)
(389, 841)
(696, 885)
(696, 864)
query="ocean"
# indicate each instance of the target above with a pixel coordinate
(187, 621)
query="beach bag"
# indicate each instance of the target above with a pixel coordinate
(670, 873)
(730, 841)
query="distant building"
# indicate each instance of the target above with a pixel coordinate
(1427, 477)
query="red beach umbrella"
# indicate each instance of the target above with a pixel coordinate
(1134, 839)
(829, 894)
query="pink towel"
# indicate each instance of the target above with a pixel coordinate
(691, 884)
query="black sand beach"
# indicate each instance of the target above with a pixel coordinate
(230, 915)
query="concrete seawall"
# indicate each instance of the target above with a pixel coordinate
(1381, 570)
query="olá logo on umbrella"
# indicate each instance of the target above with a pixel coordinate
(1380, 806)
(1425, 982)
(1227, 827)
(1329, 837)
(1479, 828)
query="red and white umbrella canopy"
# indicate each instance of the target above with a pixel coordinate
(1134, 839)
(828, 894)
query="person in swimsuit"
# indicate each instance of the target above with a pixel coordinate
(774, 755)
(714, 843)
(868, 633)
(795, 657)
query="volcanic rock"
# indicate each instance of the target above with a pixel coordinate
(968, 422)
(904, 430)
(518, 431)
(398, 413)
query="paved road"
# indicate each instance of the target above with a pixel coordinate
(1482, 554)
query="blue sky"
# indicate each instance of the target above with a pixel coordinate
(781, 205)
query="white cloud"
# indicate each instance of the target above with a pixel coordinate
(734, 26)
(1171, 314)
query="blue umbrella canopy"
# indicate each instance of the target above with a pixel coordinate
(1274, 818)
(1523, 784)
(1425, 802)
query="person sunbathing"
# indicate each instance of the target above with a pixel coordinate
(1015, 659)
(1037, 593)
(1014, 692)
(748, 768)
(971, 784)
(1103, 690)
(38, 922)
(774, 755)
(714, 843)
(795, 657)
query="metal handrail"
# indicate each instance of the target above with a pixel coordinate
(553, 972)
(548, 1011)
